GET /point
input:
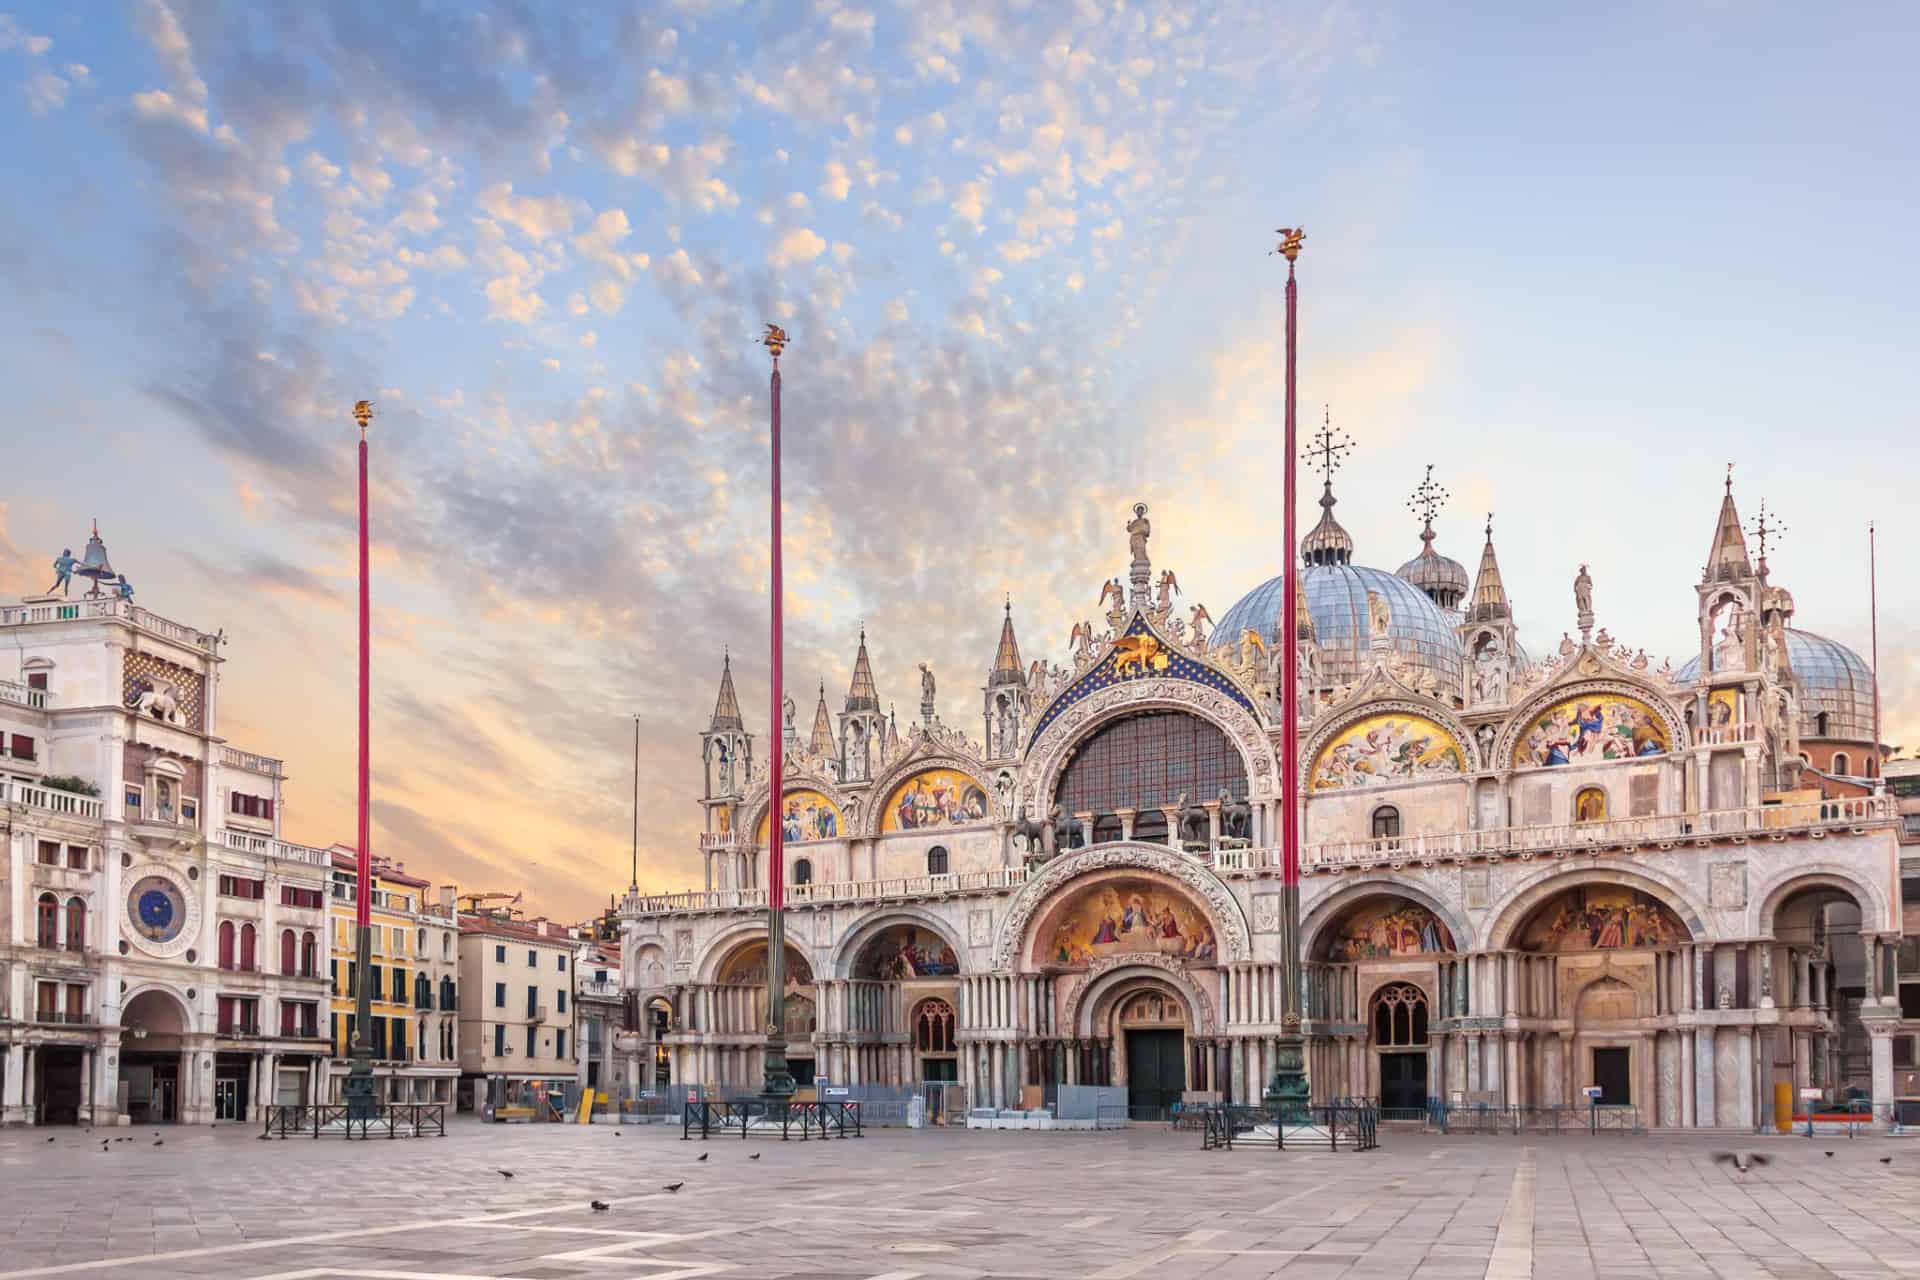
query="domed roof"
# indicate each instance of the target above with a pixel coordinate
(1834, 681)
(1443, 578)
(1421, 630)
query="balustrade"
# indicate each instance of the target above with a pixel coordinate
(1449, 846)
(68, 803)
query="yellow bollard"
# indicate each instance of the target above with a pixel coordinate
(1783, 1106)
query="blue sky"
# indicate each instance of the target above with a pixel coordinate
(1579, 260)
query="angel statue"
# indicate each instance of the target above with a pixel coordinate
(1081, 640)
(1199, 617)
(1169, 588)
(1112, 588)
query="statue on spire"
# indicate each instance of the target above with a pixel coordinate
(1583, 601)
(1138, 531)
(926, 693)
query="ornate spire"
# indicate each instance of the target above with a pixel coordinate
(1489, 603)
(861, 695)
(1443, 578)
(1327, 542)
(1728, 559)
(1006, 659)
(893, 733)
(821, 745)
(726, 708)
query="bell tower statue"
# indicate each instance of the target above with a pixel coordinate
(726, 751)
(863, 729)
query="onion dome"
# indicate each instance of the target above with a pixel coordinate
(1327, 543)
(1443, 578)
(1835, 687)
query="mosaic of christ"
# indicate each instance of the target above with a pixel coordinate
(1602, 918)
(1131, 917)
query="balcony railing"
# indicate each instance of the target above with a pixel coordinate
(82, 608)
(67, 803)
(1727, 735)
(607, 988)
(1752, 822)
(23, 696)
(234, 758)
(268, 847)
(830, 891)
(62, 1018)
(1456, 846)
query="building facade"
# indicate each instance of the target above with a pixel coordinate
(601, 1018)
(1523, 875)
(414, 996)
(516, 1009)
(162, 951)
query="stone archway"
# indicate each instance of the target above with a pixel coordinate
(1020, 938)
(157, 1057)
(1147, 1019)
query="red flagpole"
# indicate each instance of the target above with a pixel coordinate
(363, 906)
(1287, 1091)
(778, 1082)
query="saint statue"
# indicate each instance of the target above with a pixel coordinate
(788, 710)
(1137, 531)
(1730, 649)
(1379, 616)
(63, 571)
(1583, 592)
(926, 688)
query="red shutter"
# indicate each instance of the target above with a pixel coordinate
(289, 953)
(226, 952)
(246, 948)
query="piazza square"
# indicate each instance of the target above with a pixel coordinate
(901, 1204)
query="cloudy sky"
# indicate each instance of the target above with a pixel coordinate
(1578, 259)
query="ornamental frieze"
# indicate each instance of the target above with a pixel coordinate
(1230, 927)
(1204, 1021)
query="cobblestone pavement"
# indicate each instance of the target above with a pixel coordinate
(896, 1205)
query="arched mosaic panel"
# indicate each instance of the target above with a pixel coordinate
(935, 798)
(1379, 749)
(805, 815)
(1131, 917)
(1589, 729)
(1595, 917)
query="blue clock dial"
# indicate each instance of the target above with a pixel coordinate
(157, 909)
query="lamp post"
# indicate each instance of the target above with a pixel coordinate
(1287, 1090)
(358, 1088)
(777, 1085)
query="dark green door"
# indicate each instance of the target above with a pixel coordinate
(1403, 1082)
(1611, 1072)
(1156, 1073)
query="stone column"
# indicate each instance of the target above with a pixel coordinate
(1471, 1042)
(1881, 1030)
(1688, 1049)
(1172, 816)
(1765, 950)
(1126, 817)
(1705, 1069)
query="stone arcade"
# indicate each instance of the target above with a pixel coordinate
(1522, 876)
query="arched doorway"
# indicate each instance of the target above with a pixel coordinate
(1605, 957)
(741, 1015)
(1398, 1033)
(1146, 1021)
(1820, 965)
(902, 990)
(1379, 963)
(155, 1064)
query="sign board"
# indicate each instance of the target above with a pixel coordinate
(837, 1091)
(1810, 1095)
(648, 1093)
(1593, 1091)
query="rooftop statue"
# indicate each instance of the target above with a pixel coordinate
(63, 571)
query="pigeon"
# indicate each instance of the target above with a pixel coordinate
(754, 1156)
(599, 1206)
(1886, 1159)
(1829, 1155)
(703, 1154)
(1739, 1160)
(49, 1139)
(673, 1186)
(159, 1142)
(505, 1173)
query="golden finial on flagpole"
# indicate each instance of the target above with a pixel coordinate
(1290, 238)
(775, 341)
(363, 415)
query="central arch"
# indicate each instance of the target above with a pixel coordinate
(1043, 893)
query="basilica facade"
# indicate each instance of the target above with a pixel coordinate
(1530, 865)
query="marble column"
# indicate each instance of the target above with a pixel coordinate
(1882, 1037)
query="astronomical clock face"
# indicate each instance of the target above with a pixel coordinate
(159, 914)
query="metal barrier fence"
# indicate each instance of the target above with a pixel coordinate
(388, 1119)
(750, 1116)
(1494, 1118)
(1224, 1126)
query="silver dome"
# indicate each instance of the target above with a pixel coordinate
(1834, 681)
(1443, 578)
(1421, 630)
